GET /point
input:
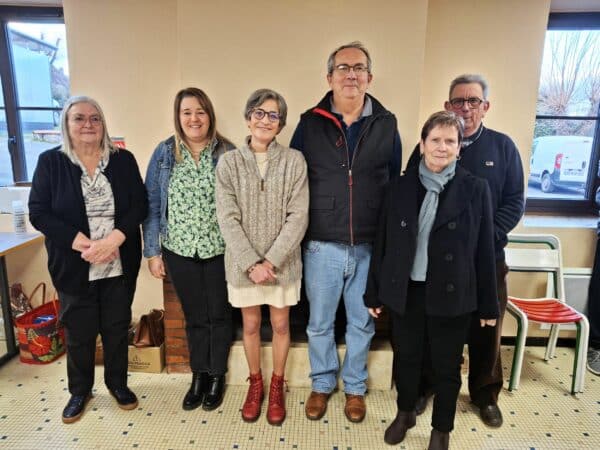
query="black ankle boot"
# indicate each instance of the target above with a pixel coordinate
(195, 395)
(396, 432)
(439, 440)
(214, 392)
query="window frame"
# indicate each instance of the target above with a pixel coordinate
(573, 21)
(11, 107)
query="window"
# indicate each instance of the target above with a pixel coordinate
(34, 85)
(564, 157)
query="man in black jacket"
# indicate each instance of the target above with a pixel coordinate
(593, 356)
(352, 148)
(493, 156)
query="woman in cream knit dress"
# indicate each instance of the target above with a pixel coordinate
(262, 209)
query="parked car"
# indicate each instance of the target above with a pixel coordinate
(560, 161)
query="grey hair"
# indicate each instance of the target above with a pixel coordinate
(444, 119)
(67, 146)
(260, 96)
(467, 78)
(355, 44)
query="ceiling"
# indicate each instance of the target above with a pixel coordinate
(556, 5)
(31, 2)
(575, 5)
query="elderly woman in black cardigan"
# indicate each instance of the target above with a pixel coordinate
(433, 267)
(88, 199)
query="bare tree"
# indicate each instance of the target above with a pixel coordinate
(560, 80)
(570, 79)
(591, 81)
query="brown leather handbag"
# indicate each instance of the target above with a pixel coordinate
(150, 330)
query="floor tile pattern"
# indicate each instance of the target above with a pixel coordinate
(540, 415)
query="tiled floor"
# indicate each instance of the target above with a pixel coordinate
(540, 415)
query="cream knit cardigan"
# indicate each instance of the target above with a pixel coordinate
(262, 218)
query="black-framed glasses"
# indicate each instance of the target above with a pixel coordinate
(259, 114)
(345, 69)
(473, 102)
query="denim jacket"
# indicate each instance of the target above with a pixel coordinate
(157, 185)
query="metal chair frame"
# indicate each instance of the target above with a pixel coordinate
(546, 257)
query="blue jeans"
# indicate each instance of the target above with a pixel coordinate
(330, 270)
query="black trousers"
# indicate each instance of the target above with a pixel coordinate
(201, 288)
(412, 334)
(104, 309)
(485, 365)
(594, 301)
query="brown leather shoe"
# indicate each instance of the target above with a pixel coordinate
(316, 405)
(355, 408)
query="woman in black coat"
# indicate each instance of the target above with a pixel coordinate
(88, 199)
(433, 266)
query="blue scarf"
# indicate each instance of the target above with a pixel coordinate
(434, 183)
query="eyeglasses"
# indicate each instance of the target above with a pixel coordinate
(345, 69)
(259, 114)
(81, 120)
(473, 102)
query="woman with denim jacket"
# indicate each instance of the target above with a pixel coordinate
(181, 232)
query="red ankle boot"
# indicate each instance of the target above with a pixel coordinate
(276, 408)
(254, 398)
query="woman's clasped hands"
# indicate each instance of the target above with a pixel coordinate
(262, 272)
(100, 251)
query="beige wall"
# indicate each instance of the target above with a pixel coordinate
(133, 55)
(285, 45)
(125, 53)
(503, 41)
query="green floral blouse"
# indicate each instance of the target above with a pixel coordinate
(192, 222)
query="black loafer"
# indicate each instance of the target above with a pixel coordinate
(75, 408)
(214, 393)
(125, 398)
(491, 416)
(195, 395)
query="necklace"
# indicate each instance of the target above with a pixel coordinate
(470, 140)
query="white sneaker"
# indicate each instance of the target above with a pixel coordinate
(593, 361)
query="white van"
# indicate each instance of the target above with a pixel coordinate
(560, 161)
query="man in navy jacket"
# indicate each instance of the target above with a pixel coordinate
(593, 356)
(493, 156)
